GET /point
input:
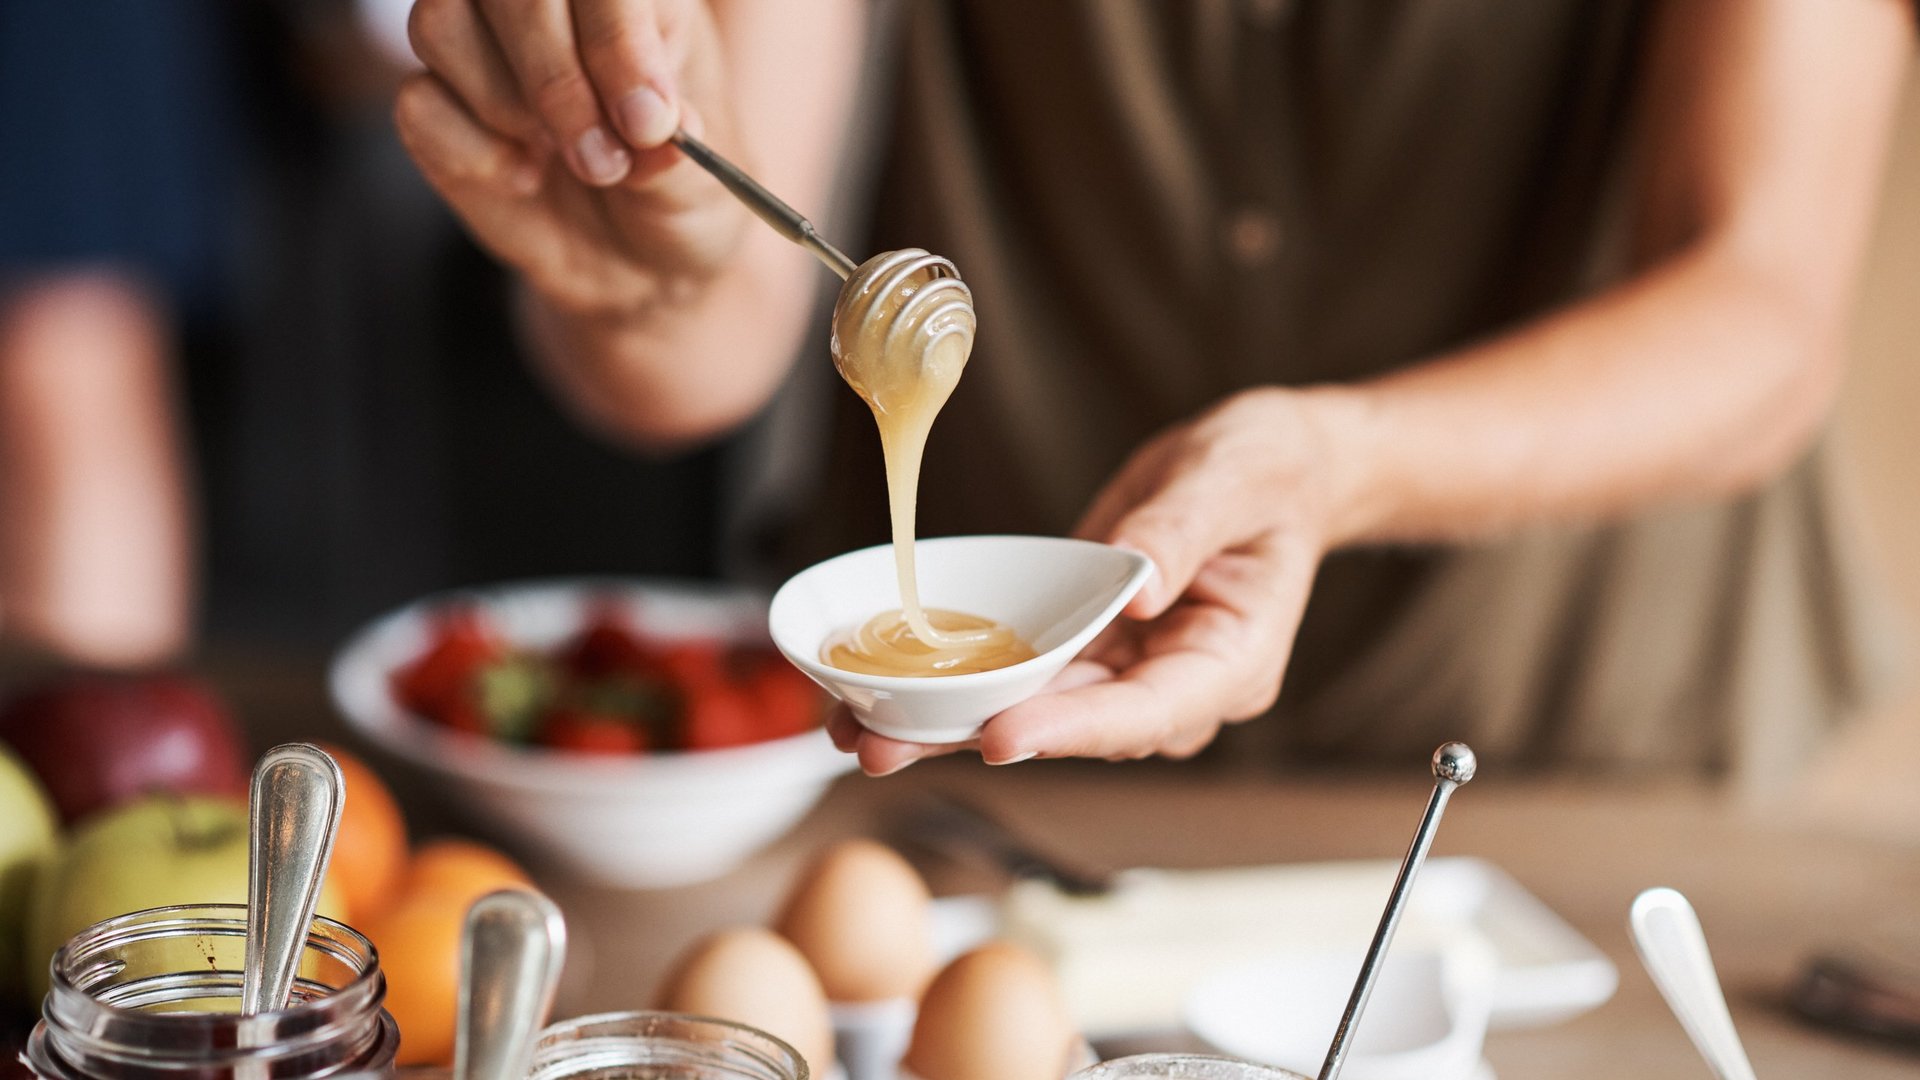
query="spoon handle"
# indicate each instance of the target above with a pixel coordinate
(295, 812)
(1453, 765)
(1674, 949)
(510, 956)
(771, 209)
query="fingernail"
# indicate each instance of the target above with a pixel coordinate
(646, 117)
(1017, 758)
(690, 121)
(599, 159)
(895, 769)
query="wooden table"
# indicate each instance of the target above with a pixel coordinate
(1769, 892)
(1769, 895)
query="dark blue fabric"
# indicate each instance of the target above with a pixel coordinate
(116, 139)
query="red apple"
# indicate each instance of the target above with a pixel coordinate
(98, 741)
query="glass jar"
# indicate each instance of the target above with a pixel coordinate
(155, 995)
(1183, 1067)
(661, 1046)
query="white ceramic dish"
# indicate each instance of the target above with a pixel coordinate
(1426, 1020)
(1057, 593)
(1545, 970)
(649, 821)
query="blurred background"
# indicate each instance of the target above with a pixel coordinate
(278, 361)
(268, 390)
(357, 425)
(1860, 783)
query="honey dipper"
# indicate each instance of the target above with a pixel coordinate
(785, 219)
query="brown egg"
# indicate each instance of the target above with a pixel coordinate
(861, 916)
(995, 1013)
(755, 977)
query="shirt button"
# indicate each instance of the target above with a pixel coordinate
(1252, 236)
(1266, 13)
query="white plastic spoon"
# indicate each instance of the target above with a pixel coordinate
(1674, 949)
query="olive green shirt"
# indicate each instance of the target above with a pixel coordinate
(1160, 203)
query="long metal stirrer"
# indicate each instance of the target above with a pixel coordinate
(1453, 765)
(785, 219)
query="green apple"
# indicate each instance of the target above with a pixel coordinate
(154, 852)
(27, 838)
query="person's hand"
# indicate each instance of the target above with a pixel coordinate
(1235, 509)
(545, 124)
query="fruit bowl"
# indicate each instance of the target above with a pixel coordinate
(646, 820)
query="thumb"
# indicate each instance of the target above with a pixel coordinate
(1180, 529)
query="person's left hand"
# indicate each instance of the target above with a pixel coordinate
(1234, 508)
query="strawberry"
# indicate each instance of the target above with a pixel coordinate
(439, 685)
(717, 716)
(689, 665)
(585, 732)
(787, 701)
(608, 645)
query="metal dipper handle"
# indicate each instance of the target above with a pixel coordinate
(785, 219)
(295, 812)
(1453, 765)
(510, 955)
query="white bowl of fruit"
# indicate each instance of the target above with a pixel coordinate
(639, 733)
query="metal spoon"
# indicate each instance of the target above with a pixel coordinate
(295, 813)
(1667, 934)
(1453, 765)
(510, 956)
(785, 219)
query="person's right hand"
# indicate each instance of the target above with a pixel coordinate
(545, 124)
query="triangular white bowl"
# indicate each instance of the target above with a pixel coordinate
(1057, 593)
(1426, 1019)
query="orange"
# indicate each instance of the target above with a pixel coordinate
(370, 853)
(460, 872)
(419, 941)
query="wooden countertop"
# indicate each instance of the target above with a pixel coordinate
(1769, 891)
(1769, 894)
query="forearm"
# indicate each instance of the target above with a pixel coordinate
(95, 539)
(1698, 378)
(1762, 134)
